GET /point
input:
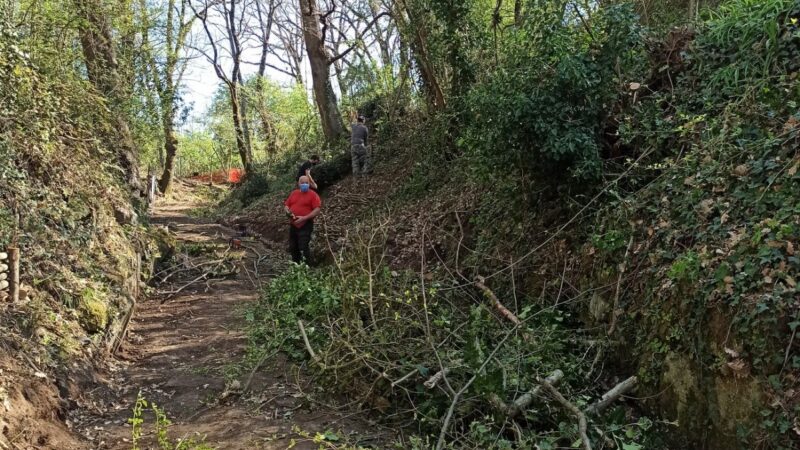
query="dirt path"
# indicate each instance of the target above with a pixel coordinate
(186, 355)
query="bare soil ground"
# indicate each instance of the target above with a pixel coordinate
(187, 356)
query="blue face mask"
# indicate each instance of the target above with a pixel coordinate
(304, 187)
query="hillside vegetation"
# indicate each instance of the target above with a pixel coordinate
(628, 194)
(63, 203)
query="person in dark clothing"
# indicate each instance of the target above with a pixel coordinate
(358, 144)
(302, 206)
(305, 170)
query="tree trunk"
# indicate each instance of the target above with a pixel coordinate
(245, 120)
(416, 39)
(102, 68)
(241, 140)
(319, 60)
(263, 114)
(171, 150)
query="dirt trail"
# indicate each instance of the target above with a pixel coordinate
(179, 353)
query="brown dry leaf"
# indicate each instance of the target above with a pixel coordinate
(690, 181)
(735, 238)
(634, 86)
(731, 352)
(740, 368)
(706, 206)
(791, 123)
(729, 289)
(741, 170)
(790, 248)
(790, 281)
(793, 170)
(723, 218)
(381, 404)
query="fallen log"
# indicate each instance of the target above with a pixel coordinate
(611, 396)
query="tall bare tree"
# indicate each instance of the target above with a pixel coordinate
(266, 22)
(164, 43)
(235, 15)
(291, 49)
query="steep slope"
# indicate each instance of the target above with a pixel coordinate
(62, 204)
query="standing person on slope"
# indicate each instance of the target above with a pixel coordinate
(302, 206)
(305, 169)
(358, 144)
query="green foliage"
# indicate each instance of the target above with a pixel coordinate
(298, 294)
(685, 268)
(59, 186)
(254, 186)
(94, 310)
(721, 219)
(542, 111)
(161, 426)
(362, 320)
(281, 120)
(745, 44)
(200, 152)
(283, 116)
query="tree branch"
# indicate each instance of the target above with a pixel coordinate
(360, 36)
(522, 403)
(582, 423)
(611, 396)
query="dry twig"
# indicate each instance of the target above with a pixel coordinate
(622, 266)
(582, 423)
(519, 405)
(308, 345)
(505, 312)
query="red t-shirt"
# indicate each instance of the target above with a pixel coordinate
(302, 203)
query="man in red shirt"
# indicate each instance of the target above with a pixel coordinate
(301, 207)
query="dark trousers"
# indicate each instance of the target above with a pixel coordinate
(300, 242)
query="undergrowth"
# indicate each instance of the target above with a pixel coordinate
(675, 259)
(380, 334)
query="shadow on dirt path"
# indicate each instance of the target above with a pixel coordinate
(186, 355)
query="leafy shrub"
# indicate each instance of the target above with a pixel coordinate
(298, 294)
(161, 426)
(544, 109)
(254, 186)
